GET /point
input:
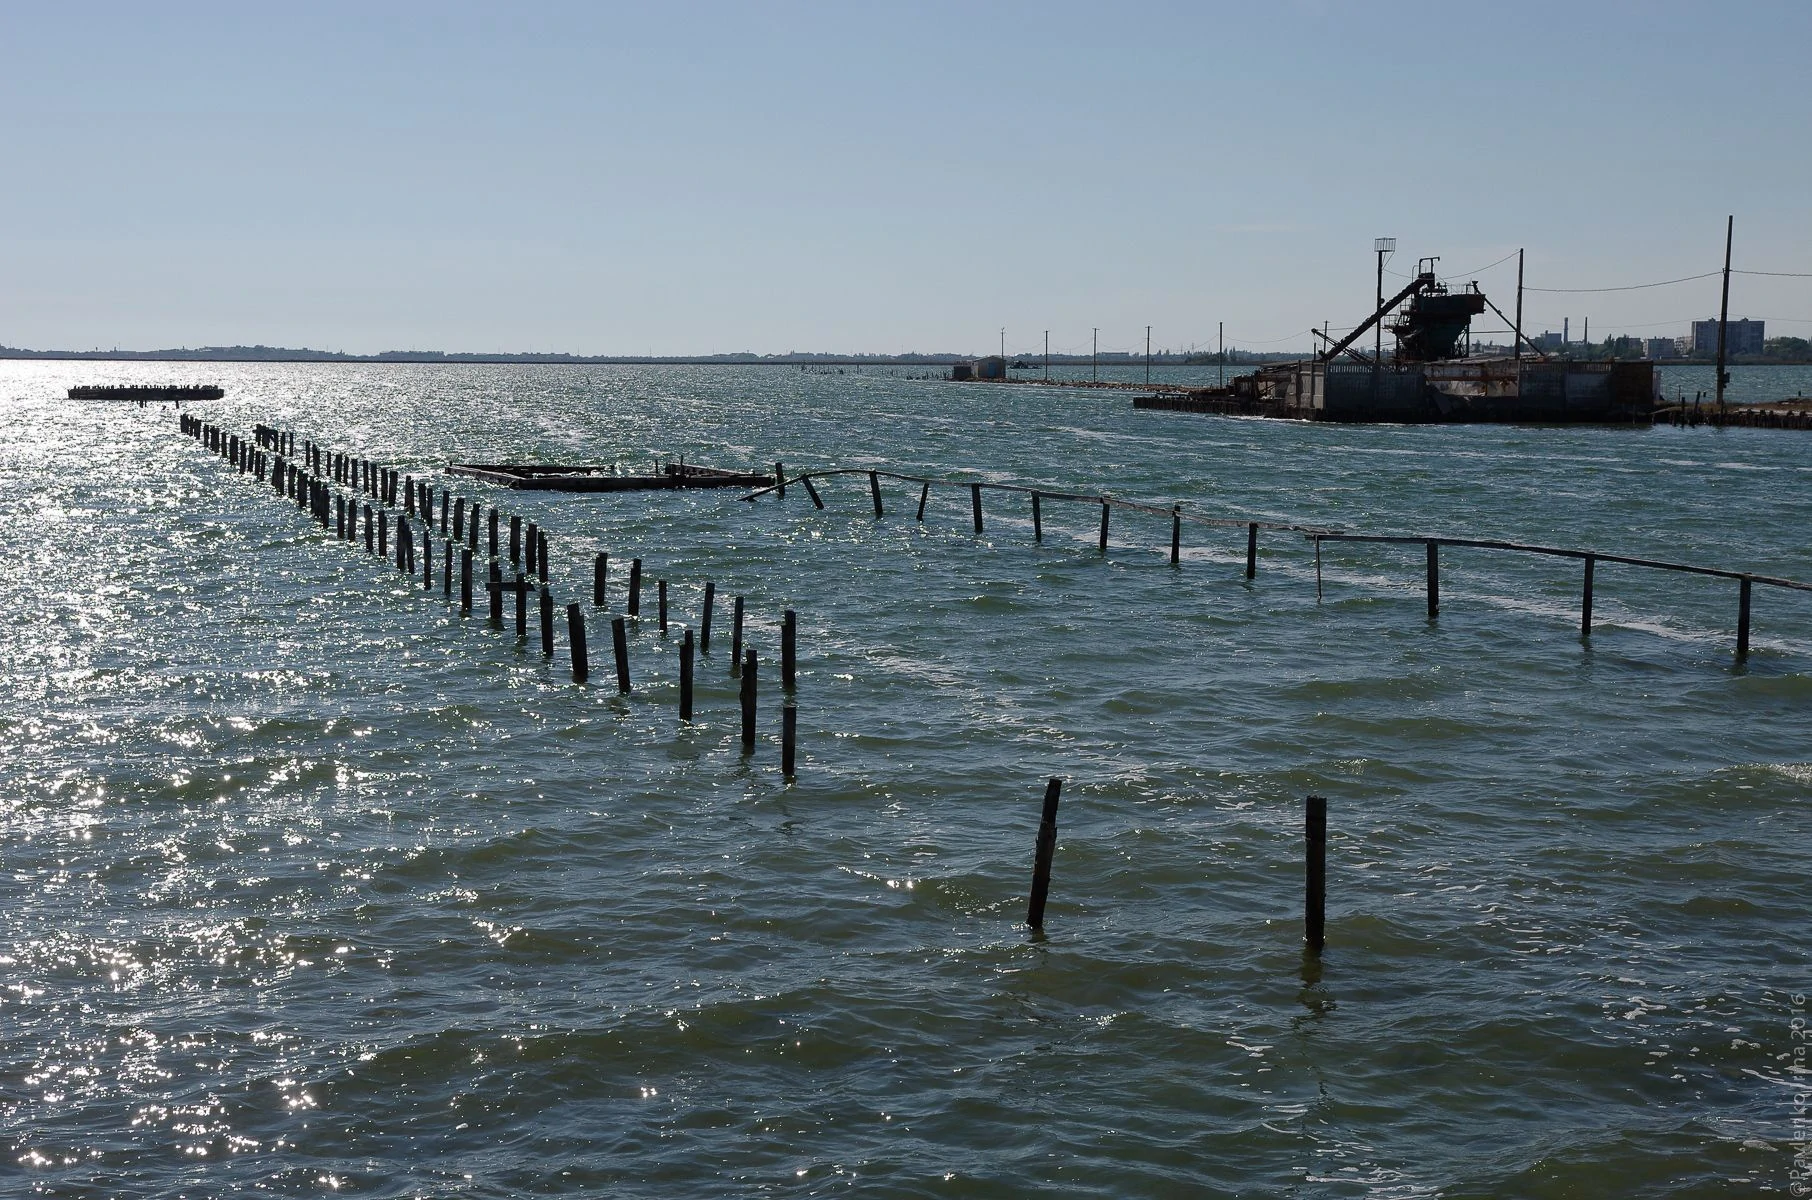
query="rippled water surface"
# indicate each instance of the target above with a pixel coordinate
(311, 884)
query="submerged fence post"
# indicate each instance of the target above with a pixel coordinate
(619, 644)
(575, 634)
(704, 620)
(1314, 910)
(1434, 579)
(789, 648)
(874, 489)
(685, 677)
(1743, 619)
(1585, 604)
(1042, 854)
(748, 702)
(789, 736)
(547, 622)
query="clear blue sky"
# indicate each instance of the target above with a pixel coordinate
(689, 178)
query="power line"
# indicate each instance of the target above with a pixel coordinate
(1776, 274)
(1634, 287)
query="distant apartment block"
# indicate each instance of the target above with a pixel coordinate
(1743, 337)
(1669, 347)
(1549, 341)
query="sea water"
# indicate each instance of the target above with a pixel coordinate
(311, 885)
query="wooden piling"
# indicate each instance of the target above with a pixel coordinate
(600, 567)
(619, 642)
(521, 590)
(789, 641)
(496, 581)
(541, 553)
(780, 480)
(736, 637)
(1314, 909)
(1105, 510)
(1037, 519)
(704, 619)
(446, 571)
(575, 636)
(633, 605)
(515, 540)
(459, 518)
(1044, 850)
(1251, 549)
(370, 533)
(748, 702)
(446, 503)
(409, 495)
(789, 736)
(975, 507)
(383, 534)
(472, 528)
(547, 622)
(465, 582)
(685, 677)
(924, 495)
(528, 548)
(1585, 603)
(1176, 534)
(661, 590)
(812, 491)
(404, 552)
(1743, 618)
(427, 558)
(874, 489)
(1434, 579)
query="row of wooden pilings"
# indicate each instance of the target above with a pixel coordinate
(345, 494)
(1745, 580)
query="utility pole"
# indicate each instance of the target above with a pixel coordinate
(1382, 247)
(1148, 353)
(1517, 333)
(1047, 356)
(1220, 335)
(1094, 355)
(1724, 310)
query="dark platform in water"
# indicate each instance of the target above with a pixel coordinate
(147, 392)
(550, 478)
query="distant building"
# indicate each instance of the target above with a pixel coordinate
(1549, 341)
(1664, 348)
(1742, 337)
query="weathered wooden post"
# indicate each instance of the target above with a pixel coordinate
(924, 495)
(541, 553)
(600, 566)
(780, 480)
(339, 516)
(748, 702)
(402, 543)
(409, 495)
(465, 582)
(789, 736)
(874, 489)
(619, 641)
(383, 532)
(1104, 512)
(1743, 618)
(1044, 850)
(472, 528)
(1314, 913)
(975, 511)
(704, 620)
(459, 518)
(515, 540)
(1176, 534)
(789, 640)
(685, 677)
(547, 622)
(427, 558)
(661, 604)
(1434, 579)
(446, 503)
(493, 532)
(1251, 549)
(811, 491)
(496, 582)
(446, 572)
(528, 549)
(736, 636)
(1037, 519)
(575, 635)
(370, 533)
(521, 590)
(1585, 604)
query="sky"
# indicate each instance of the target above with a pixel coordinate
(680, 178)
